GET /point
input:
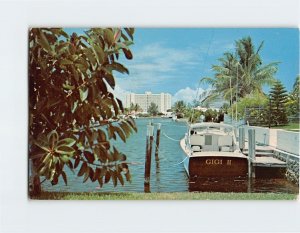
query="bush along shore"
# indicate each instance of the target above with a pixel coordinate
(292, 169)
(164, 196)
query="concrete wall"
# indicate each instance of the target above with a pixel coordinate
(283, 140)
(288, 141)
(262, 135)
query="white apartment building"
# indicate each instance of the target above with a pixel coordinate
(162, 100)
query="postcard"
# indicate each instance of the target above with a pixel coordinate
(163, 113)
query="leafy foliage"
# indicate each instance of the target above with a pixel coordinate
(254, 104)
(179, 108)
(278, 100)
(135, 107)
(153, 109)
(72, 114)
(293, 101)
(240, 73)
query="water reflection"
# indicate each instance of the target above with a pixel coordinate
(254, 185)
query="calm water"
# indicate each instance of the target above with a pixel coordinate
(167, 175)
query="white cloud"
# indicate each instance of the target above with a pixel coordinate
(119, 92)
(154, 63)
(187, 94)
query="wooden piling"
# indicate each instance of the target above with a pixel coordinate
(149, 142)
(157, 141)
(242, 138)
(251, 152)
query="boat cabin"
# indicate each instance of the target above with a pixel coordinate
(211, 137)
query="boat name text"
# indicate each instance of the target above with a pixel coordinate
(217, 162)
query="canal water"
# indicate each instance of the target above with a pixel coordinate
(168, 174)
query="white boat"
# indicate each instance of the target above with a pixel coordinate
(211, 150)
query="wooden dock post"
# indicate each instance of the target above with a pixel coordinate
(242, 138)
(251, 153)
(149, 141)
(157, 141)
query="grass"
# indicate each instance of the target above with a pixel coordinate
(165, 196)
(290, 127)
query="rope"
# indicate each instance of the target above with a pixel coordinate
(173, 125)
(180, 162)
(176, 140)
(161, 155)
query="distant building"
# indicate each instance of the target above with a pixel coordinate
(162, 100)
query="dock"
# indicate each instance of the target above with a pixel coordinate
(264, 157)
(261, 159)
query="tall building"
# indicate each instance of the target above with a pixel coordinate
(162, 100)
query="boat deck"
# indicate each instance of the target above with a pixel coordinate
(212, 153)
(259, 161)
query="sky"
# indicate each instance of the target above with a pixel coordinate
(173, 60)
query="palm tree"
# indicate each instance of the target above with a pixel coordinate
(251, 74)
(137, 108)
(179, 108)
(241, 73)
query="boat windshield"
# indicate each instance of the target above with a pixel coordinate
(211, 128)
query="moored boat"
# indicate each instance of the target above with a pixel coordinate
(211, 150)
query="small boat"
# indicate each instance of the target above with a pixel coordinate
(211, 150)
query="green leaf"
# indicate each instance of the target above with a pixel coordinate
(82, 169)
(68, 87)
(120, 133)
(89, 156)
(107, 177)
(83, 91)
(63, 33)
(120, 177)
(120, 104)
(117, 35)
(64, 177)
(122, 157)
(128, 176)
(43, 41)
(128, 54)
(103, 172)
(70, 165)
(91, 174)
(127, 130)
(77, 160)
(110, 80)
(65, 62)
(52, 138)
(54, 180)
(100, 55)
(88, 53)
(131, 122)
(100, 181)
(65, 158)
(118, 67)
(129, 32)
(47, 157)
(108, 36)
(86, 175)
(63, 149)
(67, 142)
(97, 173)
(114, 178)
(75, 104)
